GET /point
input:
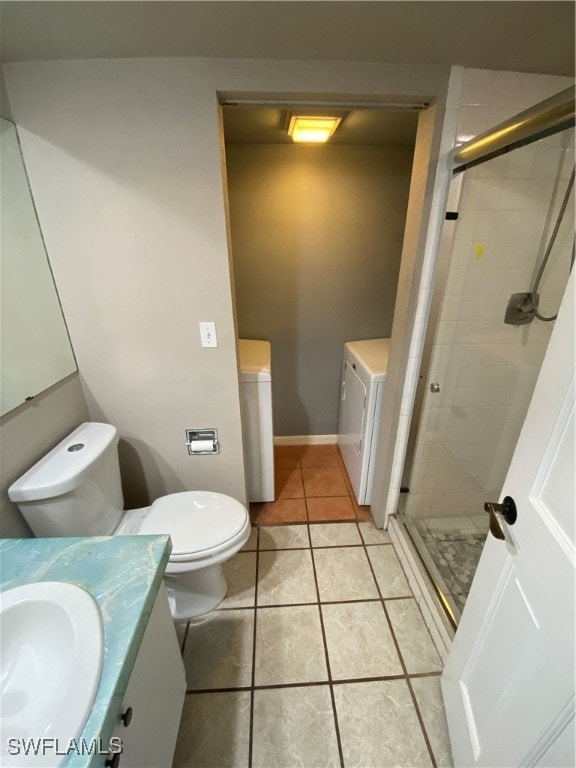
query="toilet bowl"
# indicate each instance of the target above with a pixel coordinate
(206, 530)
(75, 490)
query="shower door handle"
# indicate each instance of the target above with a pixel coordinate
(507, 510)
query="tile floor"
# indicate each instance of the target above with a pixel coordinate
(317, 657)
(311, 485)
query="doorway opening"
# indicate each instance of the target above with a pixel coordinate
(316, 239)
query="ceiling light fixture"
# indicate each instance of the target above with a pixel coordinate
(312, 129)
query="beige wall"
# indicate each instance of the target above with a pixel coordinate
(125, 165)
(317, 236)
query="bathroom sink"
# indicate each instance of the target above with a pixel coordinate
(51, 650)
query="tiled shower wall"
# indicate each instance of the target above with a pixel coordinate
(477, 100)
(487, 369)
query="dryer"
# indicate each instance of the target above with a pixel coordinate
(363, 380)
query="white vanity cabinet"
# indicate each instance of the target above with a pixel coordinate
(149, 717)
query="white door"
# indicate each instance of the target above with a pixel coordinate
(508, 684)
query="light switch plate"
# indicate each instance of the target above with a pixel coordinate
(208, 335)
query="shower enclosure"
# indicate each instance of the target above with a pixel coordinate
(507, 250)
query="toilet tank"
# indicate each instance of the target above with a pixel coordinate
(75, 490)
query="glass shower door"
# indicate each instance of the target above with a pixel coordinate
(516, 212)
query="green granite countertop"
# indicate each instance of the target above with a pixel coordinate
(123, 574)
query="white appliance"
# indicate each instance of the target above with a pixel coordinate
(363, 380)
(258, 430)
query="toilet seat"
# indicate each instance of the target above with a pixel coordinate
(201, 524)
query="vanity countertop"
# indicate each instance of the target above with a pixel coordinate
(123, 573)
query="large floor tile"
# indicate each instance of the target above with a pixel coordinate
(363, 513)
(327, 481)
(252, 543)
(286, 577)
(218, 650)
(289, 646)
(214, 731)
(278, 512)
(344, 574)
(359, 641)
(288, 483)
(388, 572)
(373, 535)
(294, 727)
(347, 479)
(254, 510)
(284, 537)
(379, 726)
(429, 698)
(240, 573)
(319, 456)
(330, 508)
(334, 534)
(287, 456)
(416, 646)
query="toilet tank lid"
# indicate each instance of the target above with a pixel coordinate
(255, 360)
(67, 464)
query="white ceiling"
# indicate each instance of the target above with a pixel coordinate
(519, 36)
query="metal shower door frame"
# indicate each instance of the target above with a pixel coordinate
(550, 116)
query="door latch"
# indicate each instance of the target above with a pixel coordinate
(507, 510)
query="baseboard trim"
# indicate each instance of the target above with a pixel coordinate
(306, 440)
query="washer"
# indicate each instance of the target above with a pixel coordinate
(257, 429)
(363, 379)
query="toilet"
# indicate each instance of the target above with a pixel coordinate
(75, 490)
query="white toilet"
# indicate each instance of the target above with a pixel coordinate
(75, 490)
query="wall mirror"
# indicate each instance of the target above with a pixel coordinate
(35, 349)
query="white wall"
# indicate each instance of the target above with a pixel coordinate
(124, 159)
(317, 236)
(477, 100)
